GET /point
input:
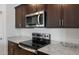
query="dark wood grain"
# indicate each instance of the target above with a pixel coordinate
(13, 49)
(71, 16)
(18, 16)
(53, 16)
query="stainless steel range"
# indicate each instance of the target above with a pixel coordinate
(39, 40)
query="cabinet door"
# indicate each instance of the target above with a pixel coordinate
(31, 8)
(71, 16)
(41, 7)
(20, 51)
(53, 16)
(11, 47)
(24, 12)
(18, 13)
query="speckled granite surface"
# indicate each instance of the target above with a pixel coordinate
(58, 48)
(18, 39)
(55, 48)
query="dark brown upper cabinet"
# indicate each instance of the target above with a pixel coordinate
(41, 7)
(70, 15)
(20, 12)
(57, 15)
(53, 17)
(24, 9)
(31, 8)
(63, 16)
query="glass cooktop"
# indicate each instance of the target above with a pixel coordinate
(32, 45)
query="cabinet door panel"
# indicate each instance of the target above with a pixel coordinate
(24, 12)
(30, 8)
(20, 51)
(71, 16)
(53, 16)
(41, 7)
(18, 14)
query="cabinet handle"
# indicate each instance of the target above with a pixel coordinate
(60, 23)
(19, 25)
(38, 19)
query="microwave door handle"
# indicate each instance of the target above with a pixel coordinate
(38, 19)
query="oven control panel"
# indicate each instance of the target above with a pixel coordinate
(41, 38)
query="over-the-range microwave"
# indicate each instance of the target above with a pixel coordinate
(37, 19)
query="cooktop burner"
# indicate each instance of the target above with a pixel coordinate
(32, 45)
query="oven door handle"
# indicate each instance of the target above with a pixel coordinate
(26, 48)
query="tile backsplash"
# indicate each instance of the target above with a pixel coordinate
(57, 34)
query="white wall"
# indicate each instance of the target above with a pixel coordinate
(10, 21)
(28, 32)
(3, 42)
(2, 18)
(58, 34)
(61, 34)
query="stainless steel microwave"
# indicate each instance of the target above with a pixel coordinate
(36, 19)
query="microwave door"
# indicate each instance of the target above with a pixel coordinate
(38, 20)
(41, 20)
(34, 20)
(38, 23)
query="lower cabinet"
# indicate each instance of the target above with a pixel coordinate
(13, 49)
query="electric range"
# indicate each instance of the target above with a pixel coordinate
(39, 40)
(32, 45)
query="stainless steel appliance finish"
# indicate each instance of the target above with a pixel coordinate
(36, 19)
(41, 38)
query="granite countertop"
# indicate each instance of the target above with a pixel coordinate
(54, 48)
(17, 39)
